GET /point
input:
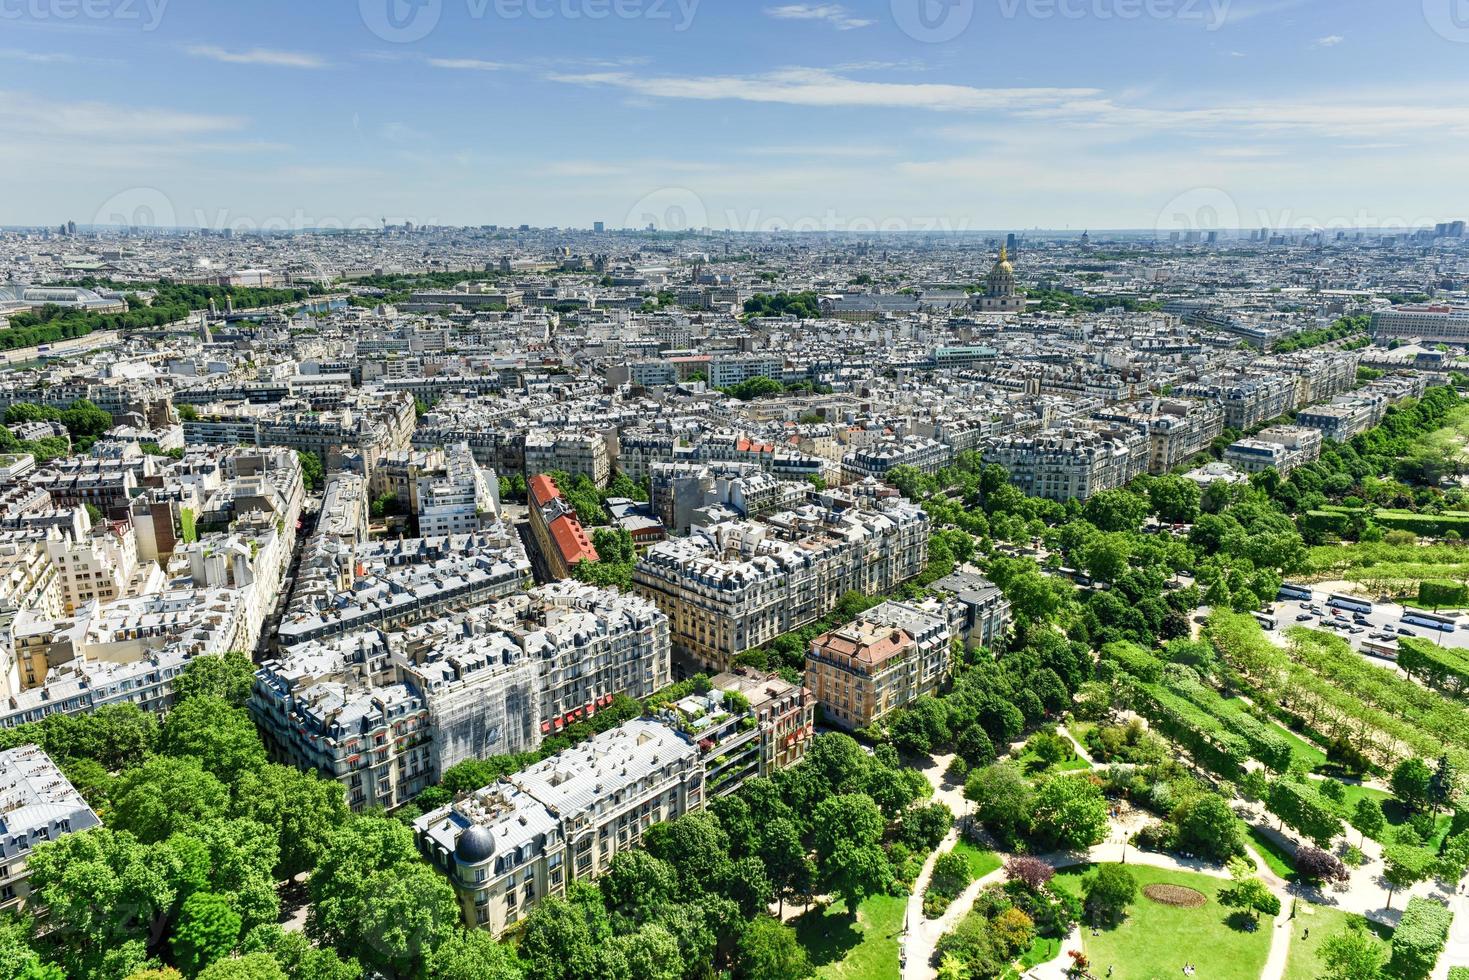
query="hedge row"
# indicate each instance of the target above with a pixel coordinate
(1266, 744)
(1423, 525)
(1420, 937)
(1135, 660)
(1221, 752)
(1441, 668)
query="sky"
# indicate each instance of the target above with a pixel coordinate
(899, 115)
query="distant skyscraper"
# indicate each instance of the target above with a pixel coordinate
(599, 226)
(71, 227)
(1012, 244)
(1213, 237)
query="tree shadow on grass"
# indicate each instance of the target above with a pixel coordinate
(828, 933)
(1242, 921)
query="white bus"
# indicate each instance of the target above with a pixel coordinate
(1433, 621)
(1266, 620)
(1349, 603)
(1387, 651)
(1297, 592)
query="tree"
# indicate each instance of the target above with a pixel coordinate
(1368, 819)
(412, 911)
(303, 961)
(745, 882)
(1002, 799)
(768, 950)
(229, 678)
(1411, 782)
(164, 796)
(851, 818)
(923, 827)
(207, 930)
(1070, 812)
(1116, 510)
(650, 953)
(1208, 827)
(951, 875)
(790, 870)
(311, 471)
(355, 851)
(1314, 864)
(1405, 866)
(855, 871)
(222, 738)
(694, 845)
(1250, 896)
(1108, 891)
(1352, 954)
(302, 808)
(1032, 872)
(562, 936)
(637, 883)
(104, 893)
(255, 966)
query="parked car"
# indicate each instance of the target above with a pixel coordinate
(1304, 618)
(1404, 631)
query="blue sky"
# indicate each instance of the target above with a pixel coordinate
(983, 114)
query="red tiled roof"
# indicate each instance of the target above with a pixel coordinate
(543, 490)
(571, 540)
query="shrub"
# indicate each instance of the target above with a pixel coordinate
(1420, 937)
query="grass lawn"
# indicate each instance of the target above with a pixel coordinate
(1155, 940)
(1041, 951)
(1279, 859)
(1305, 953)
(843, 950)
(1396, 814)
(981, 861)
(1031, 765)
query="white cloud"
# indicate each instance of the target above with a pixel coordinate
(258, 56)
(819, 87)
(25, 115)
(467, 64)
(831, 13)
(1329, 41)
(37, 57)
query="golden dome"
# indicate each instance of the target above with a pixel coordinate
(1003, 265)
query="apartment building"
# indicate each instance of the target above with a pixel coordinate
(37, 804)
(508, 846)
(878, 459)
(561, 541)
(1177, 428)
(1066, 464)
(736, 585)
(890, 655)
(1282, 447)
(460, 499)
(1431, 323)
(386, 713)
(574, 453)
(983, 613)
(1247, 400)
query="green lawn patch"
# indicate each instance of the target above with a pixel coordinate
(1276, 857)
(1043, 950)
(1155, 940)
(1305, 950)
(841, 949)
(981, 861)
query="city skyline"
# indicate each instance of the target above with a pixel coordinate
(863, 116)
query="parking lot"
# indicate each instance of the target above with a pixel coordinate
(1383, 625)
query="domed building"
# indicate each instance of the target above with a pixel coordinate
(1000, 295)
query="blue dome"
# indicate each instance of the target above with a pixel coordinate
(475, 845)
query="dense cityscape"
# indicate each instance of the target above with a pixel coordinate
(677, 490)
